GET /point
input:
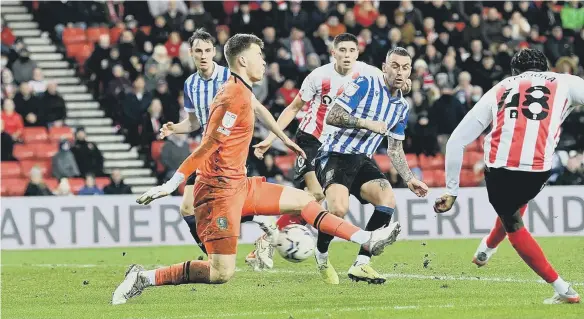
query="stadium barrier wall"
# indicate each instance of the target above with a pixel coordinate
(110, 221)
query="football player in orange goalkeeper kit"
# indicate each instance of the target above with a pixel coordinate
(223, 193)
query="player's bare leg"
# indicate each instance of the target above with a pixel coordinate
(489, 244)
(337, 197)
(379, 193)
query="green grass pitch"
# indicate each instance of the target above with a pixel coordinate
(427, 279)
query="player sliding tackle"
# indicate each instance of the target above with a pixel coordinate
(526, 111)
(223, 193)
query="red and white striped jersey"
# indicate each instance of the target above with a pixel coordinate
(319, 89)
(527, 112)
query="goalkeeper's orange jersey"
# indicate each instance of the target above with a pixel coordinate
(231, 125)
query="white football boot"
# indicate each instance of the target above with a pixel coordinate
(483, 253)
(570, 296)
(382, 238)
(132, 286)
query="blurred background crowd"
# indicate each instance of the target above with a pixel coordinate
(137, 68)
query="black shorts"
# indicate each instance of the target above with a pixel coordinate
(310, 146)
(509, 190)
(350, 170)
(191, 179)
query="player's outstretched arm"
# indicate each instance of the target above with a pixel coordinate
(187, 168)
(267, 118)
(284, 120)
(396, 152)
(186, 126)
(468, 130)
(340, 117)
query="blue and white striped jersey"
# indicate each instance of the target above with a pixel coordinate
(199, 93)
(368, 97)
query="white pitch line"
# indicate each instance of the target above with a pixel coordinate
(308, 273)
(316, 310)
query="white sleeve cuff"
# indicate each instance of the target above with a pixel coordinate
(189, 110)
(344, 105)
(396, 136)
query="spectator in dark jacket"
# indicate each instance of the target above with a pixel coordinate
(296, 17)
(201, 18)
(174, 17)
(53, 106)
(90, 188)
(446, 112)
(29, 106)
(170, 108)
(36, 186)
(117, 185)
(64, 164)
(88, 157)
(493, 26)
(174, 151)
(242, 22)
(475, 31)
(23, 67)
(151, 124)
(135, 105)
(265, 16)
(7, 144)
(489, 74)
(160, 31)
(557, 45)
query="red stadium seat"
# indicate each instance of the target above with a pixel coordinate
(431, 162)
(412, 160)
(14, 186)
(73, 35)
(102, 182)
(469, 179)
(27, 165)
(156, 149)
(76, 184)
(434, 178)
(159, 167)
(46, 151)
(23, 151)
(57, 133)
(84, 54)
(471, 158)
(94, 33)
(475, 146)
(115, 33)
(10, 169)
(35, 135)
(285, 163)
(383, 162)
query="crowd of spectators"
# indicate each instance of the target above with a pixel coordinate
(459, 49)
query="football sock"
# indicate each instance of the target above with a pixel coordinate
(188, 272)
(323, 241)
(560, 286)
(531, 253)
(498, 232)
(192, 223)
(321, 257)
(314, 214)
(249, 218)
(286, 220)
(380, 218)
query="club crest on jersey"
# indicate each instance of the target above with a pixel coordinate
(228, 119)
(351, 89)
(222, 223)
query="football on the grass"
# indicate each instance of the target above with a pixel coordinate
(295, 243)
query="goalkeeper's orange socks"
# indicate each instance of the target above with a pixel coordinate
(189, 272)
(314, 214)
